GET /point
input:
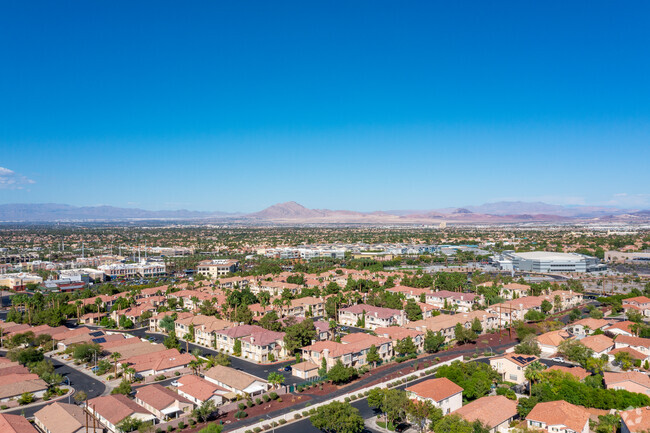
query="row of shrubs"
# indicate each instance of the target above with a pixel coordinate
(265, 399)
(267, 426)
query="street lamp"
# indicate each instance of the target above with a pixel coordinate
(272, 425)
(68, 379)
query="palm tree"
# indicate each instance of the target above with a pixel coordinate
(78, 305)
(533, 373)
(115, 356)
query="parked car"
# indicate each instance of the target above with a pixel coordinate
(175, 383)
(288, 368)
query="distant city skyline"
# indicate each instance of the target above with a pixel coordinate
(215, 106)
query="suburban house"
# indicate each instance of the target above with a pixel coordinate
(110, 410)
(639, 344)
(600, 344)
(323, 330)
(639, 303)
(621, 328)
(236, 381)
(558, 417)
(374, 317)
(495, 411)
(92, 318)
(634, 354)
(162, 402)
(587, 326)
(15, 424)
(15, 384)
(63, 418)
(512, 366)
(635, 420)
(447, 300)
(199, 390)
(632, 381)
(159, 362)
(550, 341)
(442, 392)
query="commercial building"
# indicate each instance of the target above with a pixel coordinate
(544, 262)
(217, 268)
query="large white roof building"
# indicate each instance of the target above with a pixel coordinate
(544, 261)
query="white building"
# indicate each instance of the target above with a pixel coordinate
(543, 261)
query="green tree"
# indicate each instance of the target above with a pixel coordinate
(270, 321)
(546, 306)
(528, 346)
(477, 328)
(203, 412)
(405, 346)
(533, 373)
(433, 341)
(86, 352)
(299, 335)
(575, 351)
(212, 428)
(423, 412)
(372, 357)
(455, 424)
(474, 377)
(123, 388)
(167, 324)
(412, 310)
(337, 417)
(236, 347)
(340, 373)
(171, 341)
(275, 379)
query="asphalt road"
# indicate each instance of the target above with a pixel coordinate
(79, 381)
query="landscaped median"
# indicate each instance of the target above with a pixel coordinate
(359, 394)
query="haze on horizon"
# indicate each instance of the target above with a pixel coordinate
(217, 106)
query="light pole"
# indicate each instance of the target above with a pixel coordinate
(68, 380)
(272, 425)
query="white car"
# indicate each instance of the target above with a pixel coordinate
(175, 383)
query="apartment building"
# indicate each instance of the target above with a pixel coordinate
(447, 300)
(374, 317)
(446, 323)
(308, 306)
(352, 350)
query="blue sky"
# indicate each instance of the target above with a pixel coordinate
(344, 105)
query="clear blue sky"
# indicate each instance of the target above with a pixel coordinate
(237, 105)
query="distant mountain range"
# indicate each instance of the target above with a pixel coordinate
(294, 213)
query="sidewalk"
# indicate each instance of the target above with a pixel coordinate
(70, 363)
